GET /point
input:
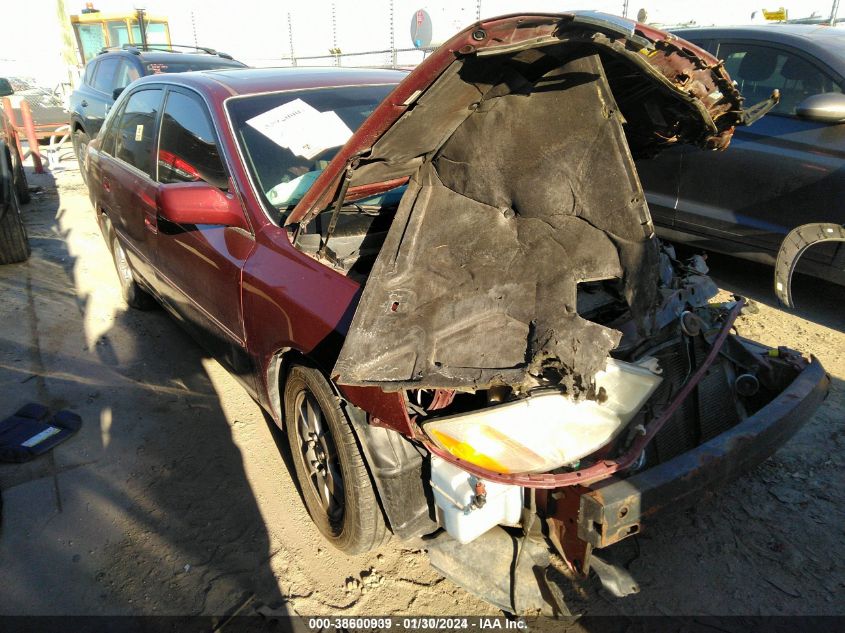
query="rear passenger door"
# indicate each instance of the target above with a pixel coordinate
(200, 265)
(779, 172)
(128, 178)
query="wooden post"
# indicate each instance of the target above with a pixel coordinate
(29, 127)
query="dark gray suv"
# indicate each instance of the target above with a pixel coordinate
(786, 170)
(112, 70)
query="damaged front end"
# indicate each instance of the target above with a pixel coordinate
(559, 366)
(716, 406)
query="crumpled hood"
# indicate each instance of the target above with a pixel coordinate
(668, 90)
(517, 137)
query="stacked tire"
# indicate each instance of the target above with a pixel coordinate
(14, 243)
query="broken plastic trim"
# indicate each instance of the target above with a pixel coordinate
(794, 245)
(605, 468)
(755, 112)
(344, 187)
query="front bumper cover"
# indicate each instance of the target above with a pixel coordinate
(616, 508)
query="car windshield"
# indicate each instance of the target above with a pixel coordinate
(157, 68)
(288, 138)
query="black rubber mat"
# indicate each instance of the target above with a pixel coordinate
(33, 430)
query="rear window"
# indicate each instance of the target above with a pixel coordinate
(178, 66)
(104, 79)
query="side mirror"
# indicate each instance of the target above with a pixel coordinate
(199, 203)
(117, 92)
(5, 87)
(828, 107)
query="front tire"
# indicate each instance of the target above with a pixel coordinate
(332, 475)
(14, 243)
(135, 296)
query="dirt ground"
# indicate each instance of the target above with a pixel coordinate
(175, 497)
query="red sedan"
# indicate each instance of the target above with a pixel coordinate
(446, 287)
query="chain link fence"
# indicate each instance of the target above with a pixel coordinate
(387, 58)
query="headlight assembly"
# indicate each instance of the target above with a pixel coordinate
(547, 430)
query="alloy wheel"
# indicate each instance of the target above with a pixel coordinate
(124, 273)
(319, 455)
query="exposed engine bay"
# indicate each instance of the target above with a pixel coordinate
(544, 430)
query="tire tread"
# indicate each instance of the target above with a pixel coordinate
(365, 529)
(14, 243)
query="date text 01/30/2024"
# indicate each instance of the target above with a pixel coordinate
(416, 623)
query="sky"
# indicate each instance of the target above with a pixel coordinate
(261, 29)
(256, 31)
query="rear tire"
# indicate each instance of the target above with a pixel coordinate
(14, 244)
(332, 475)
(135, 296)
(80, 147)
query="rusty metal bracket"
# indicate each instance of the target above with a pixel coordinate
(618, 508)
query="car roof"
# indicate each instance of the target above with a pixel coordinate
(825, 42)
(256, 80)
(171, 56)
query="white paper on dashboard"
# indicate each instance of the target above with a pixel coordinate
(301, 128)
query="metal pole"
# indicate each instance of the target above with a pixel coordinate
(625, 9)
(31, 139)
(290, 41)
(194, 27)
(334, 36)
(10, 117)
(478, 10)
(142, 28)
(392, 38)
(834, 11)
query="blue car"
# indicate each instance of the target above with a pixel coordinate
(108, 74)
(785, 171)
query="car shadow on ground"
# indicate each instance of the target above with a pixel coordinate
(148, 510)
(815, 299)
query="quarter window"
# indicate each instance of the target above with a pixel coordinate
(126, 74)
(104, 79)
(135, 137)
(188, 151)
(758, 70)
(90, 70)
(110, 126)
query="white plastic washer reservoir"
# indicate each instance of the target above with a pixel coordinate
(454, 492)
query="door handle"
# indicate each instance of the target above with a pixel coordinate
(84, 103)
(106, 184)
